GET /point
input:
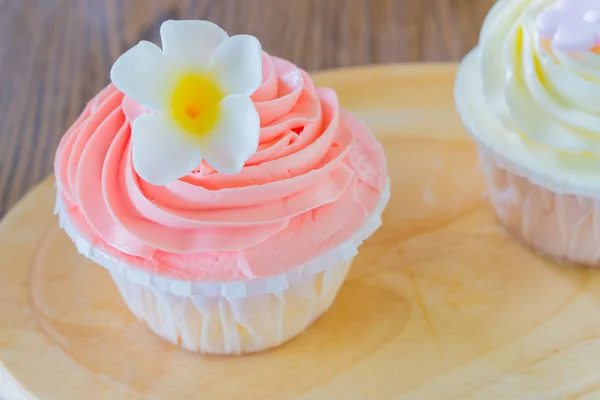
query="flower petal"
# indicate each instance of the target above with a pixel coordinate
(235, 138)
(191, 43)
(574, 38)
(237, 64)
(142, 73)
(548, 22)
(161, 152)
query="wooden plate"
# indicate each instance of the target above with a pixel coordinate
(441, 302)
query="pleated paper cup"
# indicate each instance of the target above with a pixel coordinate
(563, 226)
(219, 325)
(231, 317)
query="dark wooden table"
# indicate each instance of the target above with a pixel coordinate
(55, 54)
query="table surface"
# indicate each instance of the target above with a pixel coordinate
(440, 303)
(55, 54)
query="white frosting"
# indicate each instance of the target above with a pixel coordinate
(229, 290)
(537, 107)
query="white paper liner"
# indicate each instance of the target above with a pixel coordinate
(217, 325)
(562, 226)
(11, 389)
(229, 290)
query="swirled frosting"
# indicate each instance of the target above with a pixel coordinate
(315, 179)
(534, 101)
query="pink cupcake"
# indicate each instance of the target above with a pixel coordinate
(529, 94)
(224, 193)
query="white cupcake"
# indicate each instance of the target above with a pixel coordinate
(529, 94)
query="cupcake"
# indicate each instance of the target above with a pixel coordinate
(529, 95)
(225, 194)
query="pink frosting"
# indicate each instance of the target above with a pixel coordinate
(315, 179)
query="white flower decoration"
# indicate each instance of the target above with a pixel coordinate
(198, 88)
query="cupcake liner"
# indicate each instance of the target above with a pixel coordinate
(217, 325)
(12, 389)
(550, 220)
(234, 289)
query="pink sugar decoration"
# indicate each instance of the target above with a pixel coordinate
(571, 25)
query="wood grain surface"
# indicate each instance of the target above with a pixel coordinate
(440, 304)
(55, 54)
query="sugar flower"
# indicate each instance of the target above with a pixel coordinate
(571, 25)
(198, 89)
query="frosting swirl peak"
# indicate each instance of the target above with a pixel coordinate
(544, 93)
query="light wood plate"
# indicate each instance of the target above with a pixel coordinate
(440, 304)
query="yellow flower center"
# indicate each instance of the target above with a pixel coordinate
(195, 103)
